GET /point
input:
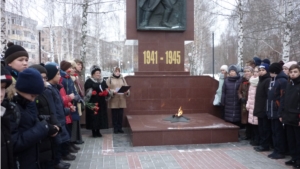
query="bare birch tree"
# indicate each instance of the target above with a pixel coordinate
(3, 28)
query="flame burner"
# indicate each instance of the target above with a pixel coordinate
(178, 117)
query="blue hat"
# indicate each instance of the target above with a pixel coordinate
(267, 61)
(257, 61)
(52, 70)
(234, 68)
(264, 66)
(30, 81)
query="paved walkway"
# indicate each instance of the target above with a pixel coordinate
(114, 151)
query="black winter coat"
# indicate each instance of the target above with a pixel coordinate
(291, 109)
(261, 97)
(46, 111)
(12, 112)
(230, 99)
(60, 112)
(99, 120)
(277, 87)
(27, 134)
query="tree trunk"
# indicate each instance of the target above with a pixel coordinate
(287, 32)
(3, 29)
(240, 34)
(84, 31)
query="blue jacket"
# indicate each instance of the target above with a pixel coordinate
(276, 90)
(69, 86)
(230, 99)
(27, 134)
(53, 95)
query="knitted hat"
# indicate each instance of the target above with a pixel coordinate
(30, 81)
(248, 68)
(5, 77)
(224, 67)
(289, 64)
(40, 68)
(13, 52)
(267, 61)
(264, 66)
(94, 68)
(234, 68)
(65, 65)
(257, 61)
(52, 70)
(275, 68)
(281, 63)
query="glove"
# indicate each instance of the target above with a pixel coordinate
(52, 130)
(77, 98)
(104, 93)
(243, 100)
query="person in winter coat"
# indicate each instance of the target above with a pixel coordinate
(96, 108)
(230, 97)
(16, 60)
(79, 84)
(286, 67)
(27, 134)
(67, 82)
(117, 103)
(260, 108)
(62, 139)
(290, 115)
(253, 120)
(46, 110)
(243, 96)
(8, 111)
(222, 76)
(275, 100)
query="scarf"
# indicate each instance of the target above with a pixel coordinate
(254, 81)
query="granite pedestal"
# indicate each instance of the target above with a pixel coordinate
(203, 128)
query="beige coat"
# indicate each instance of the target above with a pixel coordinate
(117, 100)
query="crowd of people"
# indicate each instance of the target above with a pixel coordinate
(264, 98)
(41, 107)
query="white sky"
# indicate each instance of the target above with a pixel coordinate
(35, 11)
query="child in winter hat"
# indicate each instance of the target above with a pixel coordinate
(287, 66)
(267, 61)
(264, 66)
(224, 67)
(257, 60)
(30, 81)
(11, 54)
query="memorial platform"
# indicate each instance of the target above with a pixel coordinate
(203, 128)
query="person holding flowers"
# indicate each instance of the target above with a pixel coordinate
(96, 108)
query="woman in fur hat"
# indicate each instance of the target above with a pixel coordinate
(96, 108)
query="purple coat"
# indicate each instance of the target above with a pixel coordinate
(230, 99)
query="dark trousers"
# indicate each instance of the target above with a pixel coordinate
(255, 133)
(278, 136)
(60, 150)
(265, 131)
(117, 118)
(293, 138)
(248, 131)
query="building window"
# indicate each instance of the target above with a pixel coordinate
(43, 39)
(42, 47)
(32, 46)
(33, 56)
(13, 21)
(32, 37)
(13, 32)
(25, 45)
(8, 32)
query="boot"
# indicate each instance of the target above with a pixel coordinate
(146, 19)
(94, 133)
(61, 166)
(165, 18)
(72, 150)
(98, 133)
(69, 157)
(75, 147)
